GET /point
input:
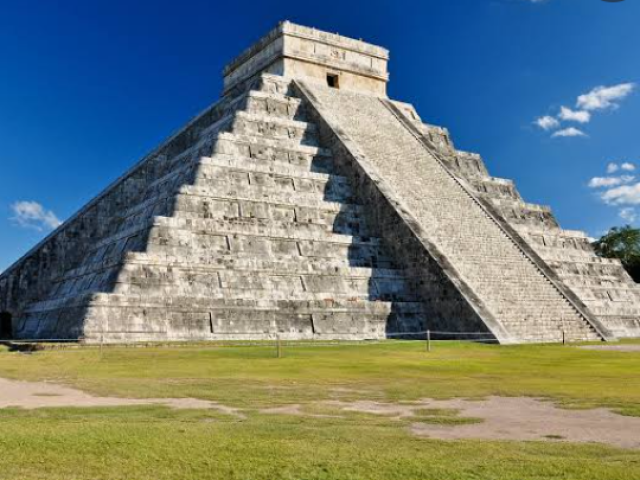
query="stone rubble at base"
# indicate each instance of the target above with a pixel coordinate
(293, 209)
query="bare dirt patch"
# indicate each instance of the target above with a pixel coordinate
(500, 418)
(612, 348)
(30, 395)
(533, 419)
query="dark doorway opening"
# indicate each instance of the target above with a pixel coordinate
(333, 80)
(6, 325)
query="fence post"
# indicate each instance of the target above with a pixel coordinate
(428, 340)
(564, 339)
(278, 346)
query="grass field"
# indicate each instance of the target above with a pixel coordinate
(153, 442)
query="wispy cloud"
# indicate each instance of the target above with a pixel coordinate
(599, 182)
(628, 214)
(597, 99)
(580, 116)
(30, 214)
(623, 195)
(569, 132)
(601, 98)
(547, 122)
(612, 168)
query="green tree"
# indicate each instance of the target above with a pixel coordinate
(622, 243)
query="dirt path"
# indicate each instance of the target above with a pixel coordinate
(30, 395)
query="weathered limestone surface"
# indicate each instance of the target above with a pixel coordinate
(514, 297)
(291, 208)
(609, 293)
(243, 231)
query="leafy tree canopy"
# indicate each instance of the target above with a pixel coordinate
(622, 243)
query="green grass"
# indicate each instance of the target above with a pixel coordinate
(158, 443)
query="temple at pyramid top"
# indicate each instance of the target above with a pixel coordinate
(295, 51)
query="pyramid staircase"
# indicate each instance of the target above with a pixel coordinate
(514, 292)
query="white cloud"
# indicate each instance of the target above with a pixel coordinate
(601, 98)
(622, 195)
(599, 182)
(621, 191)
(613, 168)
(547, 122)
(569, 132)
(628, 214)
(628, 167)
(31, 214)
(580, 116)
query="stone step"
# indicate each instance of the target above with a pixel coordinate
(365, 257)
(196, 317)
(222, 179)
(260, 147)
(567, 255)
(248, 164)
(185, 228)
(608, 294)
(347, 221)
(599, 280)
(235, 275)
(274, 84)
(554, 235)
(274, 105)
(610, 308)
(252, 286)
(381, 265)
(274, 128)
(283, 277)
(623, 326)
(206, 203)
(610, 268)
(230, 299)
(267, 195)
(343, 222)
(522, 206)
(495, 188)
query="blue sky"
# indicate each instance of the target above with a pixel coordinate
(87, 88)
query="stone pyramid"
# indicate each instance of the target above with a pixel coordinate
(306, 204)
